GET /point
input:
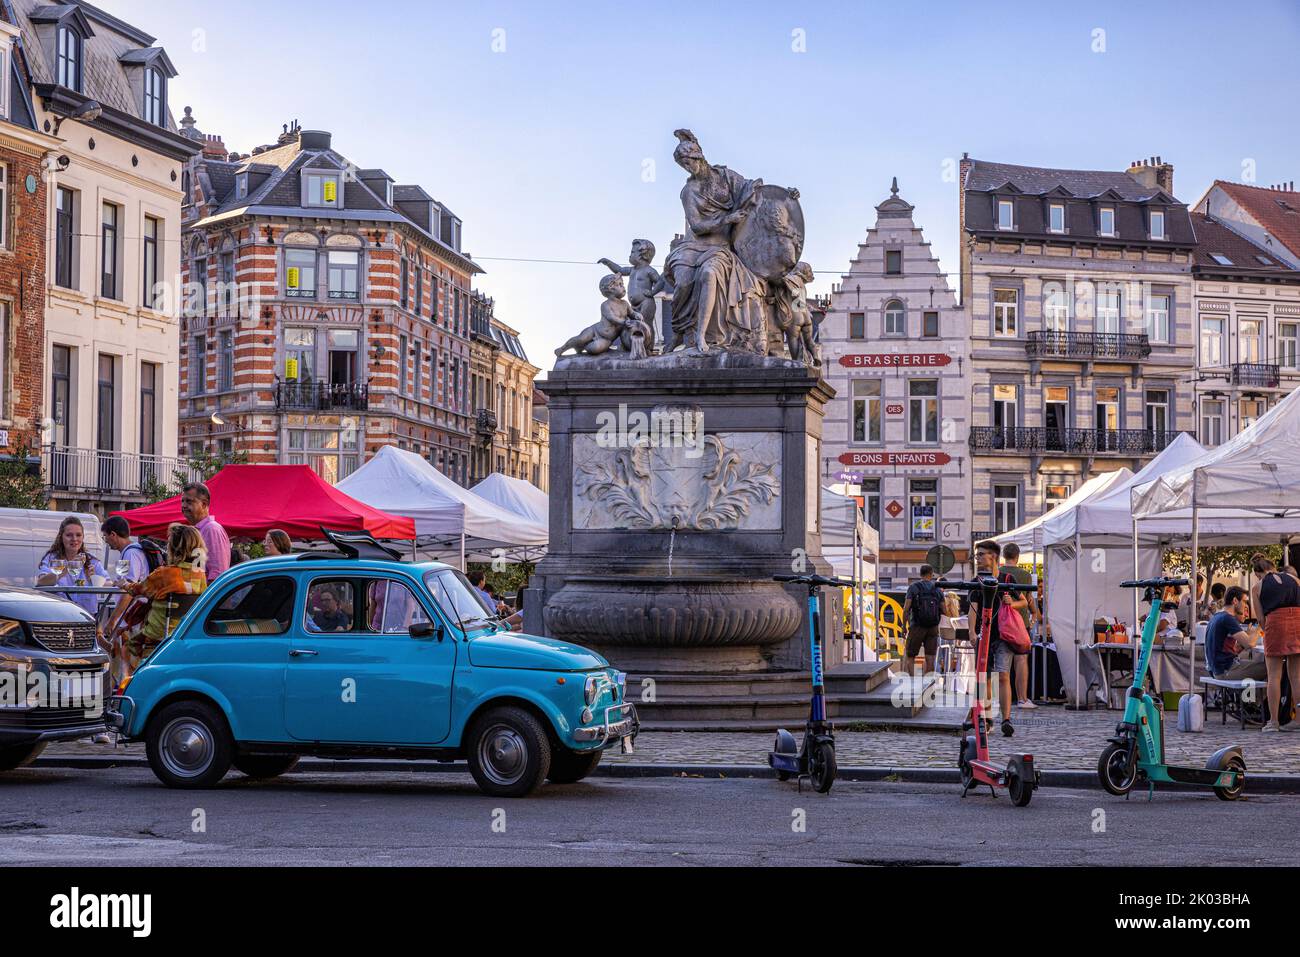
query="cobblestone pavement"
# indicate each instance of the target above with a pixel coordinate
(1058, 739)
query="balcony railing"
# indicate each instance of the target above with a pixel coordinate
(485, 422)
(322, 396)
(1040, 440)
(1261, 375)
(1050, 344)
(111, 473)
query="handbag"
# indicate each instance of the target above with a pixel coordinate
(1011, 629)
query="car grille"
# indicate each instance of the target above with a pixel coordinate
(45, 719)
(73, 636)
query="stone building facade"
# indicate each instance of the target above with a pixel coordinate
(1079, 290)
(893, 342)
(328, 311)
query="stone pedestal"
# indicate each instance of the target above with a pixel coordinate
(679, 486)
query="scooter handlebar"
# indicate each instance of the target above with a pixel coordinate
(814, 580)
(979, 584)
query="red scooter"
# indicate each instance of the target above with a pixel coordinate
(1019, 776)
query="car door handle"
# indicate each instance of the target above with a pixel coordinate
(298, 652)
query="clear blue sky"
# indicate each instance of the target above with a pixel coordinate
(540, 148)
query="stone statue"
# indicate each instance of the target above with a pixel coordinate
(742, 236)
(795, 318)
(644, 283)
(615, 313)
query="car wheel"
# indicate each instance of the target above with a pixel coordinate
(570, 766)
(264, 765)
(19, 755)
(509, 752)
(188, 745)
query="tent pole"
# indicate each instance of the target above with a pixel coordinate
(1133, 638)
(463, 567)
(1196, 541)
(1078, 560)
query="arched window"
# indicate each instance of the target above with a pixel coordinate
(895, 318)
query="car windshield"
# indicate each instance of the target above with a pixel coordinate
(458, 599)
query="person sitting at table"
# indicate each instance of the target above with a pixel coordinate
(67, 562)
(1216, 604)
(1229, 645)
(170, 589)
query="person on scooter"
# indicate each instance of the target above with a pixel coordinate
(1001, 654)
(922, 609)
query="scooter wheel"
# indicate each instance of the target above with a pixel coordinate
(822, 766)
(1117, 773)
(783, 775)
(963, 763)
(1233, 763)
(1019, 789)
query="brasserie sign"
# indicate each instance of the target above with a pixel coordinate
(891, 360)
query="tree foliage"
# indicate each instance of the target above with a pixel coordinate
(20, 482)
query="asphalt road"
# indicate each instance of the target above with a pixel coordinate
(123, 816)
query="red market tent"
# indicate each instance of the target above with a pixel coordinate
(249, 500)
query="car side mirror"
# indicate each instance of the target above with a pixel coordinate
(426, 629)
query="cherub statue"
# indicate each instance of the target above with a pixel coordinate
(644, 283)
(798, 325)
(614, 315)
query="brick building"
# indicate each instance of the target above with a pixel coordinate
(23, 224)
(328, 313)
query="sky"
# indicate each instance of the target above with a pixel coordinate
(547, 126)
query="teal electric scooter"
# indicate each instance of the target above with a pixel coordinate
(1137, 752)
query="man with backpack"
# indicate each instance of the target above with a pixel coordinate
(117, 534)
(922, 609)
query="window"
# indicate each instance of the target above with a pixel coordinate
(198, 365)
(923, 410)
(893, 262)
(1006, 216)
(64, 231)
(403, 360)
(1006, 508)
(241, 185)
(1211, 341)
(391, 608)
(225, 361)
(1109, 308)
(404, 282)
(1056, 308)
(344, 271)
(61, 394)
(1055, 220)
(857, 325)
(1055, 494)
(149, 408)
(923, 501)
(5, 43)
(930, 325)
(1006, 403)
(263, 608)
(155, 111)
(895, 319)
(299, 354)
(4, 187)
(322, 189)
(151, 293)
(332, 453)
(226, 280)
(1056, 416)
(1106, 221)
(419, 292)
(5, 332)
(1288, 345)
(1157, 224)
(106, 403)
(1221, 259)
(1157, 411)
(331, 607)
(1107, 418)
(1212, 414)
(455, 598)
(1249, 334)
(109, 286)
(866, 410)
(1158, 318)
(1251, 410)
(199, 277)
(300, 273)
(68, 56)
(871, 502)
(1005, 311)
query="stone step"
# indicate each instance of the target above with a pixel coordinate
(882, 702)
(851, 678)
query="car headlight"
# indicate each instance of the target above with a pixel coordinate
(11, 633)
(591, 689)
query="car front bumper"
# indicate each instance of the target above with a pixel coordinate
(118, 712)
(620, 722)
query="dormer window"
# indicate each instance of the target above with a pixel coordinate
(1056, 218)
(241, 185)
(6, 42)
(1006, 214)
(69, 58)
(322, 189)
(155, 107)
(1157, 224)
(1106, 221)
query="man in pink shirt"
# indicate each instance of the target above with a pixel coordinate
(196, 500)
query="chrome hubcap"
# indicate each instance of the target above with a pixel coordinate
(502, 754)
(186, 747)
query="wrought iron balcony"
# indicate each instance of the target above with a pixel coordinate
(111, 473)
(485, 422)
(1261, 375)
(1040, 440)
(1050, 344)
(322, 396)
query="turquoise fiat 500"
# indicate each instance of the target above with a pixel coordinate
(358, 654)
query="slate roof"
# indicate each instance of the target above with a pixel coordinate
(1278, 211)
(1215, 238)
(1037, 180)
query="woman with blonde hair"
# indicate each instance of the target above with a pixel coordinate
(170, 590)
(1275, 598)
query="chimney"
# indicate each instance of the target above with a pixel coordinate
(213, 148)
(1153, 173)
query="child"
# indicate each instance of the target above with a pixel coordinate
(644, 284)
(799, 325)
(614, 314)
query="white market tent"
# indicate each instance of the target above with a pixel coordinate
(515, 495)
(451, 522)
(1029, 536)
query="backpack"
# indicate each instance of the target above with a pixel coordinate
(927, 606)
(154, 553)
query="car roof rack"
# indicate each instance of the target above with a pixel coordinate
(355, 545)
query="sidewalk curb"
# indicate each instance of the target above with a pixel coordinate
(1068, 779)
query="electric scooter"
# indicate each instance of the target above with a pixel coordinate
(1019, 777)
(815, 758)
(1137, 752)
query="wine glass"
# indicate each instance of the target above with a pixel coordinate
(59, 567)
(123, 569)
